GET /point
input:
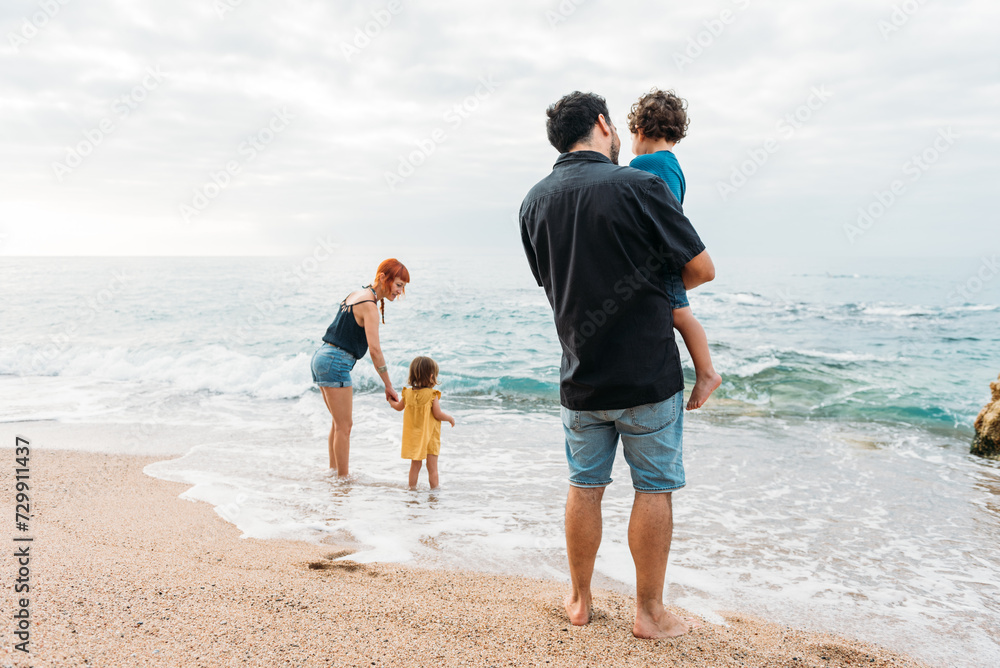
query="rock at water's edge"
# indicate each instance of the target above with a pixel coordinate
(987, 440)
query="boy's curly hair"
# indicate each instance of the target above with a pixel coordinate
(660, 115)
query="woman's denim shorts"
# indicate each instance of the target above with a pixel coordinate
(331, 366)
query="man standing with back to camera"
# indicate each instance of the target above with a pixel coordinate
(597, 237)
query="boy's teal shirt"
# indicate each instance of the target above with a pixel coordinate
(664, 164)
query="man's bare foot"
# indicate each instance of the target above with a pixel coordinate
(703, 388)
(661, 624)
(578, 611)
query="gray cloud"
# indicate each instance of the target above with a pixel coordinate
(360, 108)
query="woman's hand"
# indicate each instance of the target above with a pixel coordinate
(390, 394)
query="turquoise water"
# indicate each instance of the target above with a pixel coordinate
(830, 484)
(881, 345)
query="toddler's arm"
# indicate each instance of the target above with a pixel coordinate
(398, 405)
(439, 414)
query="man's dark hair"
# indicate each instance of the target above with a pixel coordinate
(572, 119)
(660, 115)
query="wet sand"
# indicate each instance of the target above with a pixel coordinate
(124, 573)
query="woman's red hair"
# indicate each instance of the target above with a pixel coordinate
(390, 270)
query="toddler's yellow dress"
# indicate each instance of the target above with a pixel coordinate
(421, 431)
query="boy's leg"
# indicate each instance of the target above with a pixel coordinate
(414, 472)
(706, 378)
(432, 470)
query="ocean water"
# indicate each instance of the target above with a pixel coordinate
(829, 481)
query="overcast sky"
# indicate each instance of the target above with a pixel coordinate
(253, 127)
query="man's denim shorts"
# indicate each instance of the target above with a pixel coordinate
(651, 437)
(676, 293)
(331, 366)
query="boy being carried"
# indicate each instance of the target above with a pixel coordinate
(657, 122)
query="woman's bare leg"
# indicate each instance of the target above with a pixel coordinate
(432, 471)
(333, 429)
(414, 472)
(706, 379)
(340, 402)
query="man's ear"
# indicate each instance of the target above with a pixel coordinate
(604, 125)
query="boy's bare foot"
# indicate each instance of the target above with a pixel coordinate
(703, 388)
(578, 611)
(661, 624)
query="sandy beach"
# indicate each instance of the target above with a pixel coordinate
(125, 573)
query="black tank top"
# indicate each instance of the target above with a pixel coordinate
(345, 332)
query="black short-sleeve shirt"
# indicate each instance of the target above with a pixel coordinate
(598, 238)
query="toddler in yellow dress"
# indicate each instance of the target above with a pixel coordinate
(422, 418)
